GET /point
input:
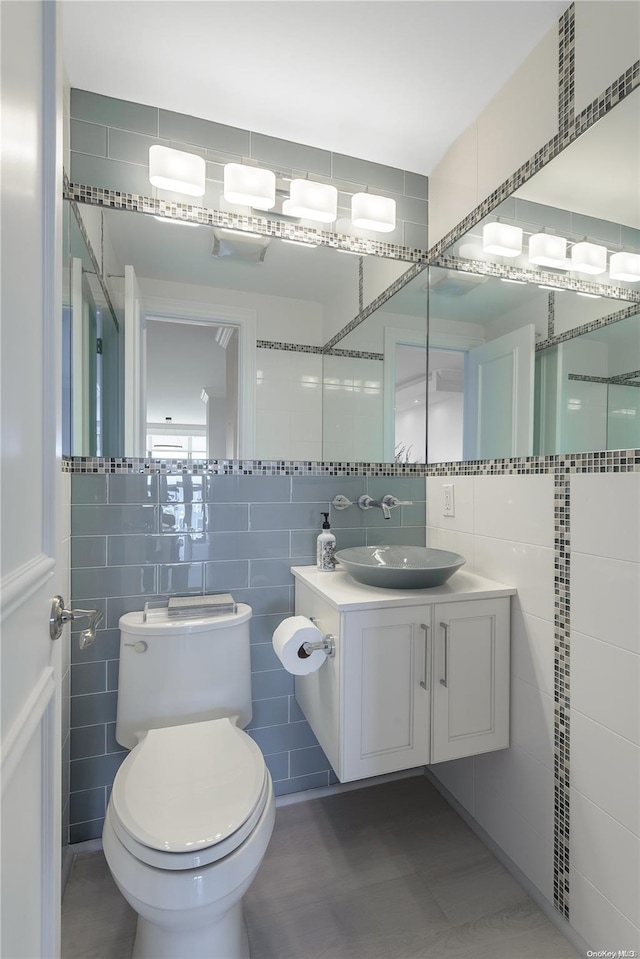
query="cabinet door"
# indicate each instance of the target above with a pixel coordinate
(385, 697)
(470, 678)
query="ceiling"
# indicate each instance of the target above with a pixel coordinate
(391, 81)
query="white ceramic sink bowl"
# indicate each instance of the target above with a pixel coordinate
(399, 567)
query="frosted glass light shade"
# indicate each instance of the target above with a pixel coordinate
(249, 185)
(176, 170)
(625, 266)
(371, 212)
(502, 239)
(313, 201)
(589, 258)
(548, 250)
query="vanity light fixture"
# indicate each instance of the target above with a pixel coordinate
(372, 212)
(312, 201)
(501, 239)
(546, 249)
(588, 258)
(176, 170)
(625, 266)
(504, 279)
(309, 246)
(250, 186)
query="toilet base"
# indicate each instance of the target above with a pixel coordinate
(224, 939)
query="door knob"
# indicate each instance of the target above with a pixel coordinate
(59, 616)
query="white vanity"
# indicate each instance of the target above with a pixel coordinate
(418, 676)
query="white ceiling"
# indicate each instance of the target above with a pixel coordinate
(392, 81)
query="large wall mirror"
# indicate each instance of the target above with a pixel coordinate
(521, 363)
(194, 341)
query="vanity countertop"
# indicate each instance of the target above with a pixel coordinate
(344, 593)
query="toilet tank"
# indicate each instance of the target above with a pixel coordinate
(173, 672)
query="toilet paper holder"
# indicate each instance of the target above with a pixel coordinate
(327, 644)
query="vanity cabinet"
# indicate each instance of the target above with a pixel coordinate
(412, 682)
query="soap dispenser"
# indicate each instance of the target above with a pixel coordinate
(326, 547)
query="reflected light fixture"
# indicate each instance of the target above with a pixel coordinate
(589, 296)
(588, 258)
(625, 266)
(176, 170)
(372, 212)
(312, 201)
(249, 185)
(545, 249)
(502, 239)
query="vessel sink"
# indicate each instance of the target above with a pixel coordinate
(399, 567)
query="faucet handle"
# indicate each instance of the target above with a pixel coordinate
(393, 501)
(341, 502)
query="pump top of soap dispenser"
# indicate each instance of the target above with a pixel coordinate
(325, 525)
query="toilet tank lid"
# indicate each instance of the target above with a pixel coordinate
(185, 788)
(135, 622)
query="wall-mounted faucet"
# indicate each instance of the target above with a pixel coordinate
(59, 616)
(386, 504)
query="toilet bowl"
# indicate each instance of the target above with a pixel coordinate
(188, 823)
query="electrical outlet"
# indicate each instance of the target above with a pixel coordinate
(449, 500)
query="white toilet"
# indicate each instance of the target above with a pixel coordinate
(192, 806)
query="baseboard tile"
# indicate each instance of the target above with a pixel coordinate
(337, 788)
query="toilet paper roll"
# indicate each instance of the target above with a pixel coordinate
(288, 640)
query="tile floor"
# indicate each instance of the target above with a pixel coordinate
(384, 872)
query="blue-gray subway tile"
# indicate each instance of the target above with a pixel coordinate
(375, 517)
(179, 517)
(412, 209)
(270, 572)
(415, 515)
(415, 184)
(271, 683)
(403, 487)
(270, 712)
(274, 599)
(286, 516)
(144, 550)
(223, 575)
(249, 489)
(305, 761)
(106, 646)
(88, 678)
(225, 517)
(333, 779)
(86, 741)
(113, 581)
(84, 831)
(250, 545)
(278, 766)
(204, 133)
(595, 228)
(113, 670)
(183, 488)
(88, 138)
(117, 606)
(537, 215)
(88, 551)
(263, 627)
(93, 709)
(346, 538)
(88, 489)
(124, 114)
(113, 174)
(301, 783)
(112, 744)
(316, 489)
(303, 543)
(277, 739)
(130, 147)
(416, 237)
(132, 488)
(295, 713)
(87, 804)
(400, 536)
(288, 155)
(351, 518)
(98, 771)
(92, 520)
(182, 578)
(363, 171)
(630, 238)
(263, 656)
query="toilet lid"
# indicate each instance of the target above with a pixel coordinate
(185, 788)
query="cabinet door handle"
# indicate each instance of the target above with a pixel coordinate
(445, 628)
(424, 626)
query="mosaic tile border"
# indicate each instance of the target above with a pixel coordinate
(303, 348)
(598, 324)
(613, 380)
(137, 203)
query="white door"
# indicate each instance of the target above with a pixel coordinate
(135, 367)
(31, 489)
(498, 397)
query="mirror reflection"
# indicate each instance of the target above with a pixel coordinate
(220, 344)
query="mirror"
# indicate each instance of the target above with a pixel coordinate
(220, 343)
(544, 359)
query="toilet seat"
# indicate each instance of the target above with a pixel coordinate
(189, 795)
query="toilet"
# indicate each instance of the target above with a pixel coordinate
(192, 807)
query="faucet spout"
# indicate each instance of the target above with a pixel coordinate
(367, 502)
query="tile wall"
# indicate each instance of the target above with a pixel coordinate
(137, 537)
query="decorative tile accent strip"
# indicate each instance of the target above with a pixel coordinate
(615, 380)
(561, 687)
(566, 70)
(598, 324)
(136, 203)
(356, 354)
(95, 263)
(551, 321)
(302, 348)
(361, 284)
